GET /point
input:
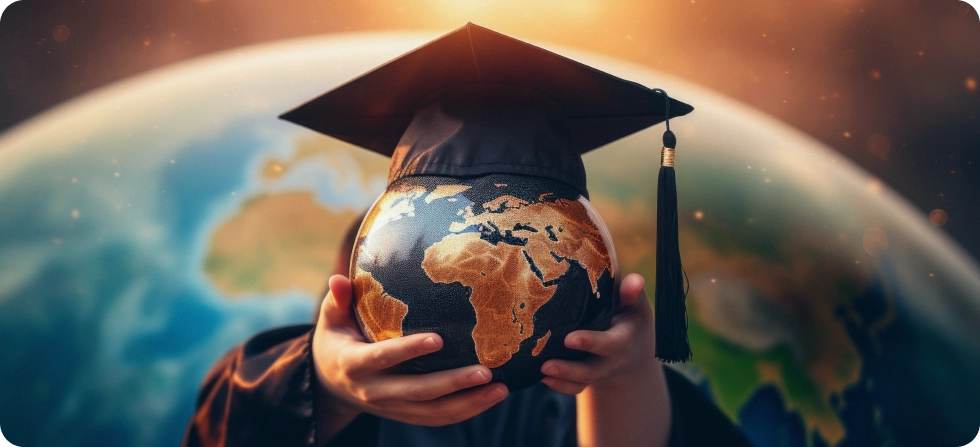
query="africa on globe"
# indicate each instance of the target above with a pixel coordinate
(501, 266)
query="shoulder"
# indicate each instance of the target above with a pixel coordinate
(697, 420)
(258, 392)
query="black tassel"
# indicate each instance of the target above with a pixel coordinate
(669, 293)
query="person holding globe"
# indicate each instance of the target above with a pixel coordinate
(593, 380)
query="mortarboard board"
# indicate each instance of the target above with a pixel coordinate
(476, 102)
(374, 110)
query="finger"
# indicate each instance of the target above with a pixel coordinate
(615, 340)
(336, 307)
(581, 371)
(455, 407)
(631, 289)
(368, 358)
(564, 386)
(431, 386)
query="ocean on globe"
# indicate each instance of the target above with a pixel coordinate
(502, 267)
(149, 226)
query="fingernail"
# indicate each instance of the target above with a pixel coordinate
(495, 394)
(551, 370)
(575, 342)
(478, 377)
(429, 343)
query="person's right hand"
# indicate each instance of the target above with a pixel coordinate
(357, 374)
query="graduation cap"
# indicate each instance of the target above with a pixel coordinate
(476, 102)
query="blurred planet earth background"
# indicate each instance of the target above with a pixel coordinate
(149, 226)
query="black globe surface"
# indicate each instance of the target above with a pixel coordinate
(502, 267)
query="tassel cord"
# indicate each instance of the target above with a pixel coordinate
(672, 284)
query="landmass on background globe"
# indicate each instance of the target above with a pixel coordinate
(284, 240)
(276, 243)
(757, 318)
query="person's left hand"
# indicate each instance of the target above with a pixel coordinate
(623, 353)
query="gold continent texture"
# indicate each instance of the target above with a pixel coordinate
(506, 291)
(381, 314)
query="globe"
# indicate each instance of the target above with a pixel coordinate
(497, 265)
(151, 225)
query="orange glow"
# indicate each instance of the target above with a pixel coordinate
(61, 33)
(938, 217)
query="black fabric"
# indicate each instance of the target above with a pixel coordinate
(259, 394)
(485, 129)
(373, 110)
(530, 417)
(696, 420)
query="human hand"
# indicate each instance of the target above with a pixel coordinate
(357, 374)
(624, 353)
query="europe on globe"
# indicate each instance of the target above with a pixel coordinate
(501, 266)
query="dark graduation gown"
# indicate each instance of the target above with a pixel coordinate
(261, 394)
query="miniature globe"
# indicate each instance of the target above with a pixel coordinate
(502, 267)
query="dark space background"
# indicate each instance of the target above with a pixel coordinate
(892, 85)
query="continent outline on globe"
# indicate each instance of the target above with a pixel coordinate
(507, 244)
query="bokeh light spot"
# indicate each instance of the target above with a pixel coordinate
(938, 217)
(875, 74)
(875, 241)
(874, 186)
(75, 214)
(699, 215)
(971, 84)
(879, 146)
(61, 33)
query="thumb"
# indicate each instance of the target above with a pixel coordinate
(336, 308)
(631, 290)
